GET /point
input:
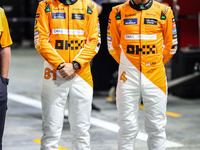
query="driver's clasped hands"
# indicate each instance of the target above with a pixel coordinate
(67, 71)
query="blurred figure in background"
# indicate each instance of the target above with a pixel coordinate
(5, 42)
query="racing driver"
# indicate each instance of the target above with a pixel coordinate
(66, 35)
(142, 37)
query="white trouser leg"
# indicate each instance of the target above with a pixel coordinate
(80, 100)
(53, 98)
(155, 117)
(128, 101)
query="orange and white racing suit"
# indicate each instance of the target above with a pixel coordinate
(136, 36)
(60, 35)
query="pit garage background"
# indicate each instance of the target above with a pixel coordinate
(23, 123)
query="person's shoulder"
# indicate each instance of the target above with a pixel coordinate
(91, 6)
(2, 14)
(46, 2)
(90, 3)
(163, 7)
(1, 10)
(119, 7)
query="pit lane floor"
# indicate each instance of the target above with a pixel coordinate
(23, 122)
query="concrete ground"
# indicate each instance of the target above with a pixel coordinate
(23, 122)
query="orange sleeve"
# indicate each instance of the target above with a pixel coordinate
(4, 29)
(170, 37)
(90, 49)
(41, 37)
(113, 36)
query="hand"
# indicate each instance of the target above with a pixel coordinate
(70, 77)
(67, 71)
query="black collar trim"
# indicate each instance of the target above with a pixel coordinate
(141, 6)
(68, 2)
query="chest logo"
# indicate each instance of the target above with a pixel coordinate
(58, 15)
(130, 21)
(78, 16)
(150, 21)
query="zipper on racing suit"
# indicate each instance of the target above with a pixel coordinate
(140, 54)
(69, 32)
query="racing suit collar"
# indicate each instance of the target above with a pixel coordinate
(141, 6)
(68, 2)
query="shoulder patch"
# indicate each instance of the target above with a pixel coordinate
(47, 9)
(163, 16)
(118, 16)
(89, 10)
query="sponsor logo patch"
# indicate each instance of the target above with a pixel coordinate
(66, 31)
(35, 22)
(110, 47)
(141, 36)
(36, 27)
(144, 50)
(47, 9)
(172, 51)
(36, 43)
(78, 16)
(37, 15)
(174, 46)
(36, 37)
(150, 21)
(175, 41)
(108, 38)
(38, 47)
(58, 16)
(149, 14)
(36, 33)
(130, 21)
(150, 63)
(89, 10)
(108, 33)
(174, 31)
(163, 16)
(130, 15)
(174, 25)
(118, 16)
(174, 36)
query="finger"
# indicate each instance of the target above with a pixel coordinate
(63, 73)
(67, 78)
(74, 75)
(70, 77)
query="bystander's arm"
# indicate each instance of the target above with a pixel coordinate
(4, 61)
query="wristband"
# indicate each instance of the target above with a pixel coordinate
(59, 68)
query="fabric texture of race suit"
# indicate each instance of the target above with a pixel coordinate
(142, 41)
(66, 33)
(5, 40)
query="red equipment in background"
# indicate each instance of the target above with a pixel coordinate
(188, 22)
